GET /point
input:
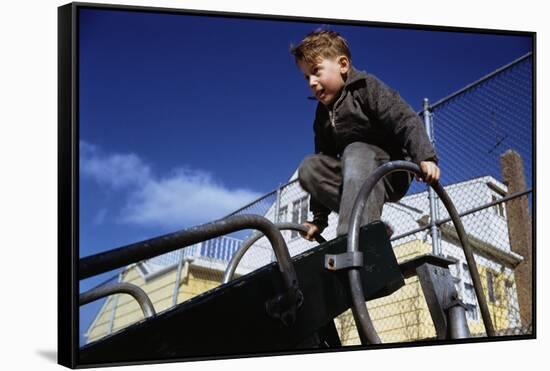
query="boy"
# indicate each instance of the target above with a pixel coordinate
(359, 125)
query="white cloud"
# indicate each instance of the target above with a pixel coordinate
(114, 170)
(187, 197)
(183, 198)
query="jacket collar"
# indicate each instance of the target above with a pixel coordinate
(354, 76)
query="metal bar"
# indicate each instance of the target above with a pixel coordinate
(276, 212)
(366, 330)
(457, 322)
(147, 249)
(479, 208)
(438, 222)
(438, 289)
(479, 81)
(436, 246)
(471, 211)
(120, 288)
(236, 259)
(277, 205)
(284, 306)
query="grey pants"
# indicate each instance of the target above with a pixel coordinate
(334, 183)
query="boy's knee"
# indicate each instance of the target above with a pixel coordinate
(360, 150)
(359, 160)
(362, 158)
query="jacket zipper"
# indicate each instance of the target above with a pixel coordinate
(332, 113)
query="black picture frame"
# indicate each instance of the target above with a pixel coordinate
(68, 179)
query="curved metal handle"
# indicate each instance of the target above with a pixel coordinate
(136, 252)
(120, 288)
(237, 257)
(366, 330)
(147, 249)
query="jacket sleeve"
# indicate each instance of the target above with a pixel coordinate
(388, 108)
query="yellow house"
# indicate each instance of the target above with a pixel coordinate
(159, 283)
(404, 315)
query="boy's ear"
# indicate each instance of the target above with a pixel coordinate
(344, 63)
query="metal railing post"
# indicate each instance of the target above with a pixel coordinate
(432, 197)
(276, 214)
(178, 278)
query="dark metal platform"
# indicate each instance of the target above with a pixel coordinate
(232, 318)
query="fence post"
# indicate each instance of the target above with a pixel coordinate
(434, 204)
(519, 231)
(276, 214)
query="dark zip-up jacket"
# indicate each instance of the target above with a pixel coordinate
(369, 111)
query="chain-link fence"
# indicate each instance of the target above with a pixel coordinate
(483, 136)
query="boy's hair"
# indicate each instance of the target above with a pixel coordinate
(321, 43)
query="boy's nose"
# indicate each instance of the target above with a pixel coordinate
(313, 81)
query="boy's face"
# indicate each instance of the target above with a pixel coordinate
(326, 77)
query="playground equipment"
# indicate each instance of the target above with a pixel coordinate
(289, 304)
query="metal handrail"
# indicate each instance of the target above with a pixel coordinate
(136, 252)
(365, 328)
(465, 213)
(284, 306)
(480, 81)
(120, 288)
(235, 260)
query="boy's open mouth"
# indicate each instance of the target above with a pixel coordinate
(320, 93)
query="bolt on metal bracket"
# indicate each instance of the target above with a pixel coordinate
(344, 261)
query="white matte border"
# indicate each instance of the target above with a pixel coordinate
(28, 151)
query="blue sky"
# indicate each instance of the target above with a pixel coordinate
(184, 119)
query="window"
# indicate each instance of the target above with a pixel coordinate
(282, 218)
(471, 312)
(453, 267)
(465, 270)
(490, 287)
(282, 214)
(499, 208)
(303, 210)
(299, 213)
(470, 291)
(296, 211)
